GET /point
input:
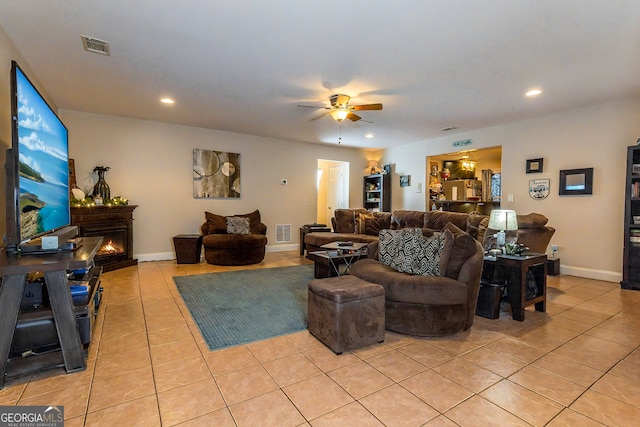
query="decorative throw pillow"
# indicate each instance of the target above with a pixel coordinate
(361, 221)
(254, 221)
(463, 247)
(422, 255)
(215, 224)
(389, 244)
(445, 253)
(408, 251)
(344, 221)
(238, 225)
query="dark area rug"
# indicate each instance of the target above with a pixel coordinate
(239, 307)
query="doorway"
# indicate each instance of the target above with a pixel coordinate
(473, 174)
(332, 189)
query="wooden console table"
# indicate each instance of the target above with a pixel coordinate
(14, 269)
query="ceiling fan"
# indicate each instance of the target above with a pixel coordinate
(340, 109)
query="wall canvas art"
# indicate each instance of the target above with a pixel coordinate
(216, 174)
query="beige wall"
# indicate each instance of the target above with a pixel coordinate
(9, 53)
(151, 165)
(589, 229)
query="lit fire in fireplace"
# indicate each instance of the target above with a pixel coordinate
(110, 249)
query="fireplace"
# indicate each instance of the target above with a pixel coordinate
(115, 225)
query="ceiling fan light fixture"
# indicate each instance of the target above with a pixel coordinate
(339, 114)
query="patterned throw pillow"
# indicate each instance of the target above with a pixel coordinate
(237, 225)
(424, 254)
(389, 244)
(408, 251)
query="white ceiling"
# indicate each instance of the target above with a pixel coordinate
(244, 65)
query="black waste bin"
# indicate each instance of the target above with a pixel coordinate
(489, 300)
(188, 248)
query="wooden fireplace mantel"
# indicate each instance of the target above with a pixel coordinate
(101, 213)
(101, 220)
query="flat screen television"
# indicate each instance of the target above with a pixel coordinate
(37, 166)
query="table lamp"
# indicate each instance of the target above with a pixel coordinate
(502, 220)
(373, 164)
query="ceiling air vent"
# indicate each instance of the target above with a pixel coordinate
(91, 44)
(283, 233)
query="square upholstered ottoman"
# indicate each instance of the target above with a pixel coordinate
(346, 312)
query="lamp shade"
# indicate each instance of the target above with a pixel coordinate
(502, 219)
(339, 114)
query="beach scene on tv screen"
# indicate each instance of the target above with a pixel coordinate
(43, 164)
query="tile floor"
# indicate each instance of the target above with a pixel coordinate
(576, 365)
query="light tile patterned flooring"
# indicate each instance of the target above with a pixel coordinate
(578, 364)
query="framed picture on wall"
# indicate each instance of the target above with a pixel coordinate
(534, 165)
(576, 181)
(216, 174)
(405, 180)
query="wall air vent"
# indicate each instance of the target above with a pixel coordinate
(283, 233)
(91, 44)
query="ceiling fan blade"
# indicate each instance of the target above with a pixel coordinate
(366, 107)
(353, 117)
(320, 116)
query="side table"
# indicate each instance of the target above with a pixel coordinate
(343, 253)
(188, 248)
(311, 228)
(514, 269)
(553, 266)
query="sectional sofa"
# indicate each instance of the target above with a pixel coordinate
(360, 225)
(431, 303)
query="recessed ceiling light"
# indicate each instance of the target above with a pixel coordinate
(167, 101)
(533, 92)
(369, 135)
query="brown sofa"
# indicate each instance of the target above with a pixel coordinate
(224, 248)
(426, 305)
(360, 225)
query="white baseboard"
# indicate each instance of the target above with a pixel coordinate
(282, 248)
(166, 256)
(160, 256)
(589, 273)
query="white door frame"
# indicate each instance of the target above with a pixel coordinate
(324, 206)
